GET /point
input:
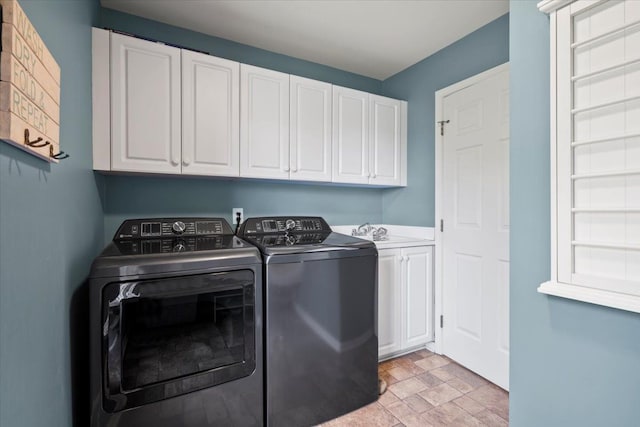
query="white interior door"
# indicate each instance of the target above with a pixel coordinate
(475, 240)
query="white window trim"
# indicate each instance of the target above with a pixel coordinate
(554, 287)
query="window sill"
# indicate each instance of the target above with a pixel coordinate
(594, 296)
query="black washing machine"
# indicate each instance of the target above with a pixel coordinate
(176, 327)
(321, 344)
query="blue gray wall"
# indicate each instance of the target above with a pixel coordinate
(50, 230)
(136, 196)
(572, 363)
(485, 48)
(223, 48)
(414, 205)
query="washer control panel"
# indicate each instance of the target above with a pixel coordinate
(277, 225)
(171, 227)
(175, 245)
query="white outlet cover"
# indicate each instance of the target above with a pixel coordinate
(234, 212)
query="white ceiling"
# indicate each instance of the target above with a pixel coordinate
(373, 38)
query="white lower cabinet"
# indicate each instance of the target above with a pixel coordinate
(405, 299)
(389, 301)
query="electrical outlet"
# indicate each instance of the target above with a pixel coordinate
(234, 215)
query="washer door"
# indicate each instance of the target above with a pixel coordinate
(171, 336)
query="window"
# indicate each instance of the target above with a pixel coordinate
(596, 141)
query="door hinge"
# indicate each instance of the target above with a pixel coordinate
(441, 225)
(441, 321)
(442, 123)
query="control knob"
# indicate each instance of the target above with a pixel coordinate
(180, 246)
(290, 241)
(178, 227)
(290, 225)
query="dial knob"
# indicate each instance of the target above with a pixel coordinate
(290, 241)
(179, 247)
(290, 224)
(178, 227)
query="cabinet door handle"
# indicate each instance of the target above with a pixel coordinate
(286, 169)
(294, 170)
(374, 175)
(176, 153)
(186, 160)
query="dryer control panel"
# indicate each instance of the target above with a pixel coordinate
(281, 225)
(166, 227)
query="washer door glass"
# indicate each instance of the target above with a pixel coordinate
(172, 336)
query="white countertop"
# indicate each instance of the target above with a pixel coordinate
(401, 242)
(398, 236)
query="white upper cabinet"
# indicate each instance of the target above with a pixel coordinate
(162, 109)
(310, 130)
(210, 115)
(386, 142)
(145, 106)
(158, 109)
(369, 138)
(264, 119)
(350, 136)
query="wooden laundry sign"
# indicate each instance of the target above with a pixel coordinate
(29, 86)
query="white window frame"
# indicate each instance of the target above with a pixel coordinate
(560, 283)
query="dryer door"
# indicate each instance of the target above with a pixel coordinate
(170, 336)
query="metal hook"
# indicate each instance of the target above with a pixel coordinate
(442, 123)
(35, 142)
(60, 156)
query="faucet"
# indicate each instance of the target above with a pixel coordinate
(367, 229)
(380, 233)
(362, 230)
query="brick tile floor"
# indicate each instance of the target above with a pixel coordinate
(428, 390)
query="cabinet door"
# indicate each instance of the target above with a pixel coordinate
(264, 123)
(145, 106)
(210, 115)
(417, 296)
(385, 140)
(310, 138)
(389, 302)
(350, 136)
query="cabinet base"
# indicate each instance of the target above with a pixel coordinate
(428, 346)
